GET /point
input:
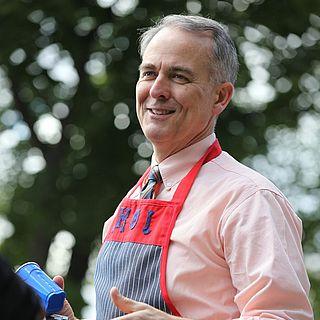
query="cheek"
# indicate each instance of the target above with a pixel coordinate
(142, 92)
(188, 97)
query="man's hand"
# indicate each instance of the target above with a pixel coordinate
(137, 310)
(66, 310)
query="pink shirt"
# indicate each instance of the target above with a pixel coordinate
(236, 245)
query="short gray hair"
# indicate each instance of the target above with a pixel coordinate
(223, 58)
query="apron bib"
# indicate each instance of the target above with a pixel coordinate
(134, 253)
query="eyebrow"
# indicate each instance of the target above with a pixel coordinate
(146, 66)
(171, 69)
(182, 69)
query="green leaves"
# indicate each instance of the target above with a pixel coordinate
(70, 143)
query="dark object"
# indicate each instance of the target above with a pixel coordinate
(17, 300)
(56, 317)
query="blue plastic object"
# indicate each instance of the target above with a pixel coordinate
(51, 295)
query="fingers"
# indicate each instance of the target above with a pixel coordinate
(137, 310)
(59, 281)
(136, 315)
(126, 305)
(67, 311)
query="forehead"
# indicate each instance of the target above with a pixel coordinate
(179, 46)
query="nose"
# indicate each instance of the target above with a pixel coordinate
(160, 88)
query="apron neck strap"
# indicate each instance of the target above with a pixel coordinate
(185, 185)
(140, 182)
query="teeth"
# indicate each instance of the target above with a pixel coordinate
(161, 112)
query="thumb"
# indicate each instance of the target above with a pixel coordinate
(59, 281)
(125, 304)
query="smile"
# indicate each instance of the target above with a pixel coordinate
(160, 112)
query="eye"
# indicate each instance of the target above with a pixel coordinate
(148, 74)
(180, 78)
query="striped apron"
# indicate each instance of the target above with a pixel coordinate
(134, 253)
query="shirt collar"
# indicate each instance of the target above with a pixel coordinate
(174, 168)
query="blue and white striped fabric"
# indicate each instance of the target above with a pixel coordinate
(151, 187)
(134, 269)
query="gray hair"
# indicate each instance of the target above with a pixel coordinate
(223, 58)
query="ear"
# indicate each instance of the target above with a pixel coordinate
(224, 93)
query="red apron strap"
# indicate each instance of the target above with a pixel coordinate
(139, 183)
(185, 185)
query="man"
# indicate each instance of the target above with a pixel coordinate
(200, 236)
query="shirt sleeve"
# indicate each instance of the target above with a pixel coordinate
(262, 245)
(106, 227)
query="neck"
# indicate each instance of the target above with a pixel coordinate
(164, 151)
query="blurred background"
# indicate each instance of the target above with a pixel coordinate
(70, 143)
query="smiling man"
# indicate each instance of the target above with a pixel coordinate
(200, 236)
(177, 101)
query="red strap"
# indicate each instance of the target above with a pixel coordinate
(185, 185)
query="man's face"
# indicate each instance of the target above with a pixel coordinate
(175, 99)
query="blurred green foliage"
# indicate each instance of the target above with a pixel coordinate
(75, 63)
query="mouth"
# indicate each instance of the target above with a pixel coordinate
(160, 112)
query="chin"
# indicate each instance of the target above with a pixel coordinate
(157, 137)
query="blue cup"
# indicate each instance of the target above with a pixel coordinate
(51, 295)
